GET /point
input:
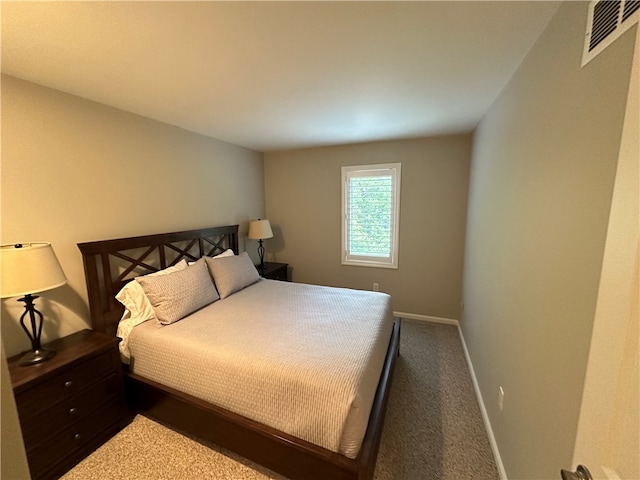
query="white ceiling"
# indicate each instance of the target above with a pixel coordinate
(279, 75)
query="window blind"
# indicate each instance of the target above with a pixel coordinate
(371, 198)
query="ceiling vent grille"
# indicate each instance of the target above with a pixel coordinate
(607, 20)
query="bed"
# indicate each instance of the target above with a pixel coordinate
(296, 454)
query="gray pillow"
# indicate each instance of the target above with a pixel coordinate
(232, 274)
(176, 295)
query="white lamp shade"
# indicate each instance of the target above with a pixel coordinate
(30, 268)
(259, 229)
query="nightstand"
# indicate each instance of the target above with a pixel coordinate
(274, 271)
(69, 405)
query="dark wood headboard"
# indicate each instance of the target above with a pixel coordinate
(109, 264)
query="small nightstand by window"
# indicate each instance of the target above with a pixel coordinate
(274, 271)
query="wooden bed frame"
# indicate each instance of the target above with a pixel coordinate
(110, 264)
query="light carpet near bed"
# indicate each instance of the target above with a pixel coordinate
(433, 428)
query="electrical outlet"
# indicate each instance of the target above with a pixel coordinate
(501, 398)
(376, 287)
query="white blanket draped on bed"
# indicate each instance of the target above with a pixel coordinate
(303, 359)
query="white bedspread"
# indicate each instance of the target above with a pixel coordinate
(303, 359)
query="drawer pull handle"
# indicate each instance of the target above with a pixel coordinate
(72, 410)
(77, 437)
(68, 384)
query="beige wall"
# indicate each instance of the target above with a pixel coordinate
(303, 195)
(543, 169)
(76, 171)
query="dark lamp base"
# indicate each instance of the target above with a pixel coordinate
(36, 356)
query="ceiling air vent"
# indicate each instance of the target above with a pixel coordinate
(607, 20)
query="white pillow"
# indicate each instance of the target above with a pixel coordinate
(180, 293)
(137, 308)
(227, 253)
(136, 304)
(232, 274)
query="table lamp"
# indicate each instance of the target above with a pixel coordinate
(259, 230)
(29, 268)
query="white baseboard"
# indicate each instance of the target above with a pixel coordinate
(425, 318)
(485, 416)
(476, 386)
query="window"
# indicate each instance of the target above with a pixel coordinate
(371, 208)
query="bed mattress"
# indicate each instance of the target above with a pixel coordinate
(303, 359)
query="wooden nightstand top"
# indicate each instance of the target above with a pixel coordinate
(69, 350)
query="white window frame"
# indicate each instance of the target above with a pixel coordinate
(394, 170)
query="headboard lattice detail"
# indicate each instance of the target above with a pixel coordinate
(109, 264)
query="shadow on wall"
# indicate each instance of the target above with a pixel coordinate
(274, 245)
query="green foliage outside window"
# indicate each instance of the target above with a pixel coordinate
(370, 215)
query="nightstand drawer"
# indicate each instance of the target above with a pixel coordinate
(280, 274)
(45, 424)
(73, 442)
(64, 385)
(71, 404)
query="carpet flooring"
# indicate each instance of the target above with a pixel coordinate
(433, 428)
